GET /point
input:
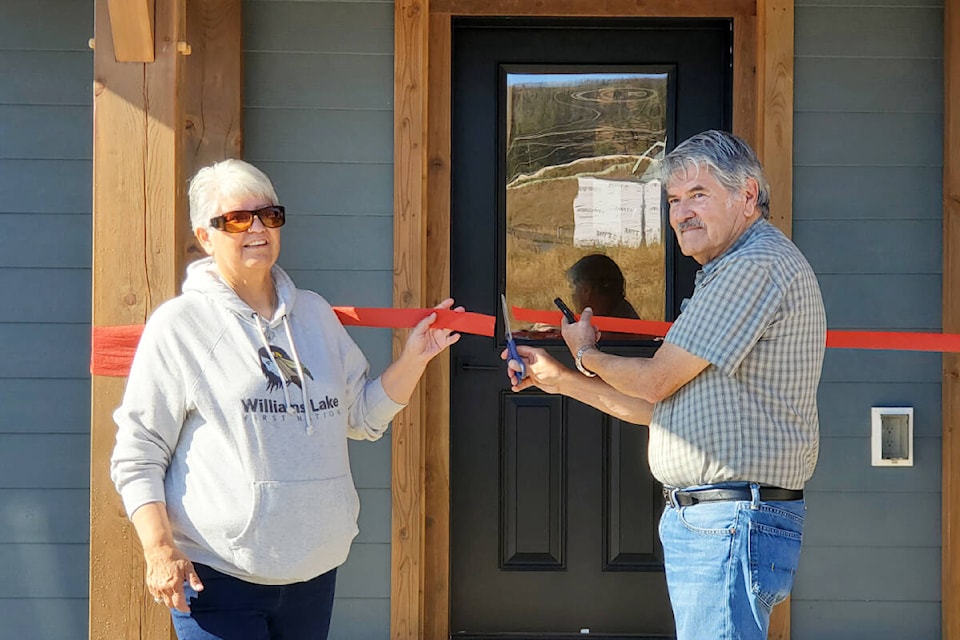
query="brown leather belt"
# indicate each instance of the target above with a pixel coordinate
(697, 496)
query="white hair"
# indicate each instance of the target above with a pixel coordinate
(731, 161)
(229, 179)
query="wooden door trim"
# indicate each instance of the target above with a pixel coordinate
(950, 496)
(763, 115)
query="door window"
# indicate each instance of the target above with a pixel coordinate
(582, 196)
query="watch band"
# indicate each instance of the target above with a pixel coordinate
(579, 360)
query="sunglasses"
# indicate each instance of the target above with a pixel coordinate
(239, 221)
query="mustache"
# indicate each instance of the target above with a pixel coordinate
(693, 223)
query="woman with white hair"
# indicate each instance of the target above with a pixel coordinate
(231, 452)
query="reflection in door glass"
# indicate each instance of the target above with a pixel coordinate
(583, 212)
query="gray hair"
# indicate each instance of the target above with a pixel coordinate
(228, 179)
(730, 160)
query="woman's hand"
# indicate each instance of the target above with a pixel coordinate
(167, 569)
(167, 566)
(424, 343)
(543, 371)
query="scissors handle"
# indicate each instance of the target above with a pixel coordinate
(512, 350)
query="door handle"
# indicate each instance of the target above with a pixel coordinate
(466, 366)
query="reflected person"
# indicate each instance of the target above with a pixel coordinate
(596, 281)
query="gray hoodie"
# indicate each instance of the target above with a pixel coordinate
(240, 423)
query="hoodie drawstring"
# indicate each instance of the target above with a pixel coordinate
(303, 378)
(276, 367)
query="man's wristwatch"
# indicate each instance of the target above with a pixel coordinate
(579, 360)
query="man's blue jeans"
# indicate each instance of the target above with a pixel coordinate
(231, 609)
(728, 563)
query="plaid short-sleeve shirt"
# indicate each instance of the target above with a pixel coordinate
(757, 316)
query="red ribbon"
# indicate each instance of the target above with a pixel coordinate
(112, 348)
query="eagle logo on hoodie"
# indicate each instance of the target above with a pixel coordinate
(284, 371)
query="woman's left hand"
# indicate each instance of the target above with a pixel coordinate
(425, 343)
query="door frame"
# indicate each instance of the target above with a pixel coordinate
(762, 115)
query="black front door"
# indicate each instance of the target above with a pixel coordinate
(553, 509)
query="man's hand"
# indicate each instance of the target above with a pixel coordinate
(543, 371)
(581, 333)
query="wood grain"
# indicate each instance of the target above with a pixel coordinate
(131, 23)
(774, 143)
(950, 563)
(213, 113)
(134, 213)
(436, 587)
(409, 281)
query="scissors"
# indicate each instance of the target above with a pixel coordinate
(511, 345)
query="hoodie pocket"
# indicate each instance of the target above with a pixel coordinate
(297, 530)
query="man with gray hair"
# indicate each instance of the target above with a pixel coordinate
(730, 396)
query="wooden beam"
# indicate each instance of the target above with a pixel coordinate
(950, 492)
(774, 142)
(136, 202)
(143, 155)
(409, 284)
(131, 23)
(745, 78)
(597, 8)
(213, 110)
(436, 579)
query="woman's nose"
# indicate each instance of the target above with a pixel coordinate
(257, 224)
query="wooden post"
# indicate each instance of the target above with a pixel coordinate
(436, 382)
(136, 201)
(774, 145)
(774, 142)
(409, 290)
(212, 91)
(950, 562)
(143, 155)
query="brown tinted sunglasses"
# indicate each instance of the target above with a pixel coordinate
(238, 221)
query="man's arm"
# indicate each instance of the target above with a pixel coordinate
(651, 379)
(550, 376)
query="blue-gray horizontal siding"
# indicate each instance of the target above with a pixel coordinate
(318, 119)
(45, 202)
(867, 211)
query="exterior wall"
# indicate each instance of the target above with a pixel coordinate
(318, 119)
(867, 212)
(45, 253)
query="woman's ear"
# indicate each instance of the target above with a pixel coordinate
(203, 237)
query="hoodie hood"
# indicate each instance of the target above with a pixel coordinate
(204, 277)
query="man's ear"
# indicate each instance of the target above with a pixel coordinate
(751, 192)
(203, 237)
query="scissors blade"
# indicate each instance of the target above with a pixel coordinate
(506, 316)
(511, 345)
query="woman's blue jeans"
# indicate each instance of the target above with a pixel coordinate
(231, 609)
(728, 563)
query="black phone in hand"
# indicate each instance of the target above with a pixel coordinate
(566, 310)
